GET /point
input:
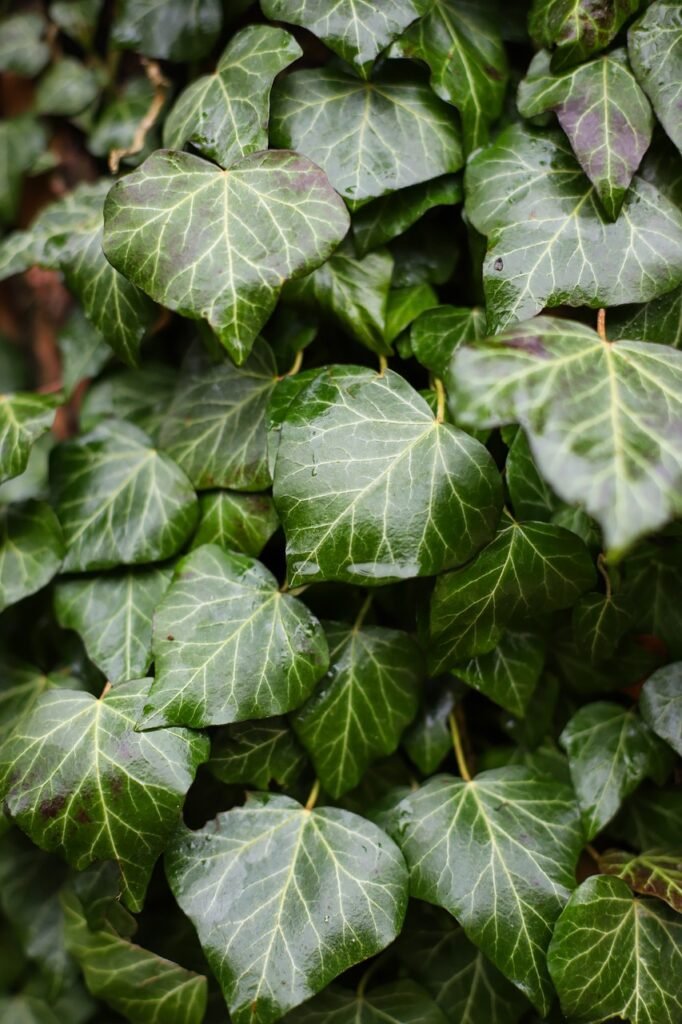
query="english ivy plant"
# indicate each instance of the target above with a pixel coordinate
(341, 512)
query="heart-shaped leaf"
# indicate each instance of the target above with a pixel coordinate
(239, 221)
(652, 874)
(245, 881)
(31, 549)
(78, 778)
(437, 332)
(661, 704)
(655, 49)
(371, 489)
(598, 417)
(549, 243)
(113, 616)
(170, 29)
(257, 753)
(610, 751)
(229, 646)
(604, 113)
(599, 623)
(24, 417)
(225, 115)
(575, 29)
(399, 1002)
(615, 955)
(239, 522)
(120, 502)
(358, 712)
(510, 672)
(371, 138)
(498, 853)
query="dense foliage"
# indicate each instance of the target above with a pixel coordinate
(340, 546)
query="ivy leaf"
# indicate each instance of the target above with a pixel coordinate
(428, 740)
(652, 577)
(548, 241)
(576, 29)
(599, 623)
(652, 818)
(240, 222)
(83, 350)
(144, 987)
(653, 874)
(239, 522)
(371, 138)
(380, 220)
(78, 778)
(141, 396)
(169, 29)
(371, 489)
(510, 672)
(23, 48)
(610, 751)
(229, 646)
(257, 753)
(225, 115)
(244, 880)
(399, 1002)
(214, 427)
(604, 948)
(31, 549)
(437, 332)
(24, 417)
(463, 982)
(116, 124)
(67, 88)
(113, 616)
(661, 704)
(357, 32)
(659, 320)
(527, 570)
(463, 49)
(531, 496)
(617, 463)
(22, 685)
(499, 854)
(22, 140)
(655, 49)
(604, 113)
(120, 502)
(359, 710)
(77, 18)
(27, 1009)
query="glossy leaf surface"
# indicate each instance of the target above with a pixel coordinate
(661, 704)
(257, 753)
(652, 874)
(240, 522)
(24, 417)
(31, 549)
(655, 50)
(576, 29)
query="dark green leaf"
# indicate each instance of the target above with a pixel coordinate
(405, 305)
(653, 577)
(239, 522)
(141, 396)
(653, 874)
(83, 350)
(102, 478)
(530, 495)
(77, 18)
(655, 49)
(67, 88)
(22, 45)
(510, 672)
(24, 417)
(399, 1002)
(21, 686)
(249, 880)
(240, 223)
(379, 221)
(31, 549)
(171, 29)
(576, 29)
(659, 320)
(257, 753)
(371, 489)
(117, 122)
(229, 646)
(651, 818)
(79, 779)
(661, 704)
(428, 740)
(436, 334)
(599, 623)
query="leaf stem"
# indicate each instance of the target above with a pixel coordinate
(312, 798)
(601, 324)
(383, 365)
(160, 83)
(459, 749)
(296, 365)
(604, 572)
(440, 392)
(360, 618)
(105, 691)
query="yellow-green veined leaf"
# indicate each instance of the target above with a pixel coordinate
(238, 522)
(398, 1002)
(510, 672)
(257, 753)
(575, 29)
(20, 687)
(78, 779)
(655, 49)
(170, 29)
(599, 623)
(249, 881)
(229, 646)
(654, 873)
(239, 223)
(659, 320)
(31, 549)
(437, 332)
(24, 417)
(661, 704)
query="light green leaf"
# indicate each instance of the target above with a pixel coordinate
(462, 46)
(214, 427)
(31, 549)
(257, 753)
(398, 1002)
(615, 955)
(529, 569)
(26, 1009)
(113, 616)
(659, 320)
(428, 739)
(240, 222)
(225, 115)
(405, 305)
(377, 222)
(463, 982)
(358, 711)
(371, 138)
(247, 883)
(655, 49)
(169, 29)
(604, 113)
(141, 396)
(436, 334)
(120, 502)
(371, 489)
(599, 623)
(356, 30)
(510, 672)
(229, 646)
(653, 874)
(23, 49)
(548, 241)
(354, 292)
(83, 350)
(498, 853)
(67, 88)
(599, 417)
(661, 704)
(78, 778)
(610, 751)
(144, 987)
(22, 141)
(575, 29)
(24, 417)
(239, 522)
